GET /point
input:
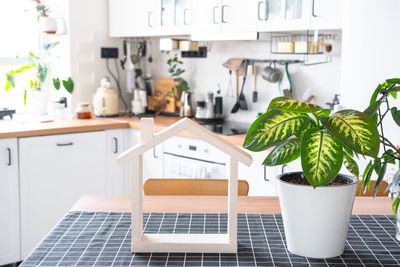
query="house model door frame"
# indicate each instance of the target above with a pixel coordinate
(195, 243)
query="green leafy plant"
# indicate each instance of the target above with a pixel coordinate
(379, 110)
(175, 69)
(324, 141)
(40, 74)
(41, 9)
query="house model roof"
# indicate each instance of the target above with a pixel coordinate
(186, 124)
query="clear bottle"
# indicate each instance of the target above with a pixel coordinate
(84, 111)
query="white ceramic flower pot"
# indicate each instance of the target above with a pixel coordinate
(48, 24)
(37, 101)
(316, 220)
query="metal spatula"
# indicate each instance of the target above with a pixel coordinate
(242, 99)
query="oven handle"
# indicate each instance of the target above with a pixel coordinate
(186, 157)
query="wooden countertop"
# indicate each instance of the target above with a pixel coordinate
(10, 129)
(215, 204)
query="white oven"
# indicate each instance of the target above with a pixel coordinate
(192, 158)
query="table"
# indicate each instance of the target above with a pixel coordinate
(215, 204)
(96, 232)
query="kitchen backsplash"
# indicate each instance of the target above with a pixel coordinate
(203, 74)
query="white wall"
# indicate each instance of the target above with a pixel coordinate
(204, 73)
(370, 48)
(88, 31)
(370, 54)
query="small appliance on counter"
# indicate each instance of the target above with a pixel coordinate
(139, 102)
(186, 109)
(6, 112)
(105, 102)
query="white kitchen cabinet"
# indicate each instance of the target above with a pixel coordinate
(133, 18)
(223, 20)
(117, 179)
(261, 179)
(282, 15)
(9, 202)
(55, 172)
(326, 14)
(136, 18)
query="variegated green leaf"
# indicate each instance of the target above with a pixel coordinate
(290, 104)
(354, 129)
(322, 113)
(284, 152)
(273, 127)
(351, 164)
(321, 157)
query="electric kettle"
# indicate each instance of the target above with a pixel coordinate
(105, 102)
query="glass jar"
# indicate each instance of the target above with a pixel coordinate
(84, 111)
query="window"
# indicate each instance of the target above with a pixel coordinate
(19, 35)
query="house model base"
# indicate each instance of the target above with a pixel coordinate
(188, 243)
(195, 243)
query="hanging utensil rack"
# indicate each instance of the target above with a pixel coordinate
(307, 45)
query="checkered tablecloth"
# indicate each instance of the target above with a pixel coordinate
(104, 239)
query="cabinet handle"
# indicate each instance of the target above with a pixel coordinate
(265, 174)
(313, 9)
(154, 153)
(9, 156)
(214, 9)
(259, 10)
(223, 14)
(65, 144)
(184, 16)
(115, 145)
(148, 19)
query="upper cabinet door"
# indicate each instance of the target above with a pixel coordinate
(132, 18)
(326, 14)
(207, 15)
(9, 202)
(282, 15)
(175, 17)
(223, 20)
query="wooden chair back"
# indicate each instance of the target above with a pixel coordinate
(192, 187)
(370, 191)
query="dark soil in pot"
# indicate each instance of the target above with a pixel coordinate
(299, 178)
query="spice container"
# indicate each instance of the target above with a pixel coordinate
(84, 111)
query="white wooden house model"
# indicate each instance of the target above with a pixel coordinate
(196, 243)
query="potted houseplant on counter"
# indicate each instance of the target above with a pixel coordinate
(47, 24)
(38, 83)
(317, 203)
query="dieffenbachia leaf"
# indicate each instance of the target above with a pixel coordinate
(396, 115)
(351, 164)
(273, 127)
(290, 104)
(321, 157)
(322, 113)
(393, 80)
(354, 129)
(284, 152)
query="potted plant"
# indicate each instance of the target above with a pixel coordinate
(46, 24)
(38, 95)
(379, 109)
(316, 204)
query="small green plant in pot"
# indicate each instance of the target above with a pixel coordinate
(316, 204)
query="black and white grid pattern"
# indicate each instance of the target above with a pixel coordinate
(104, 239)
